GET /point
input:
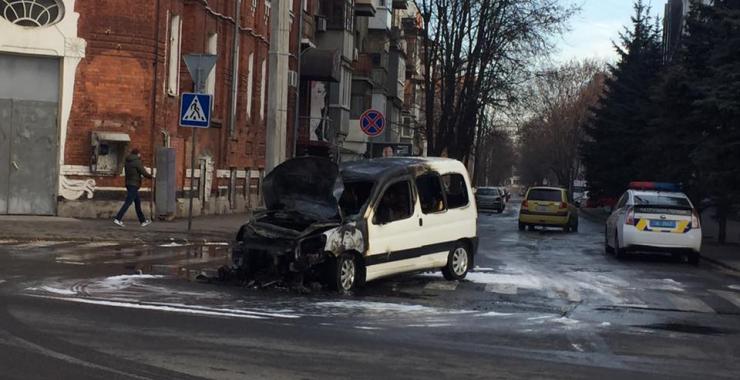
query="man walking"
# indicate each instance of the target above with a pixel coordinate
(134, 171)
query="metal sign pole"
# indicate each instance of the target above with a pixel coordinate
(197, 88)
(199, 65)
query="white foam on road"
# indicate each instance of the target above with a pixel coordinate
(734, 287)
(380, 307)
(99, 244)
(494, 314)
(125, 280)
(179, 308)
(49, 289)
(173, 245)
(2, 281)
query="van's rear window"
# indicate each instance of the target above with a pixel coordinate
(545, 195)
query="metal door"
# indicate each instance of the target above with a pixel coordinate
(28, 134)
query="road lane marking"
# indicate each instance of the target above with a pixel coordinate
(40, 244)
(732, 297)
(686, 303)
(502, 288)
(439, 285)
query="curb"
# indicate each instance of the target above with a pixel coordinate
(120, 241)
(720, 264)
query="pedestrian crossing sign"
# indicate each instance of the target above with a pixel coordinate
(195, 110)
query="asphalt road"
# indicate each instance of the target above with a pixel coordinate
(541, 304)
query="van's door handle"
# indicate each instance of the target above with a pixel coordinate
(15, 165)
(421, 222)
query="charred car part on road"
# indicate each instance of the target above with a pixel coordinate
(370, 219)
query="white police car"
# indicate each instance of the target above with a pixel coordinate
(653, 216)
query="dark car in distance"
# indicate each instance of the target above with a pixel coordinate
(490, 198)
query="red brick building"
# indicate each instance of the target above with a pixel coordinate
(120, 73)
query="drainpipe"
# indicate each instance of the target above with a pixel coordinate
(154, 109)
(298, 72)
(235, 69)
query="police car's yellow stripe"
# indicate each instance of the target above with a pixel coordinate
(642, 224)
(681, 227)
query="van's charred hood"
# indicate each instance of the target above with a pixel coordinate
(310, 186)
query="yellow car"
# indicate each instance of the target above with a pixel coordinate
(548, 207)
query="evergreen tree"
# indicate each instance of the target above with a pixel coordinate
(714, 55)
(613, 153)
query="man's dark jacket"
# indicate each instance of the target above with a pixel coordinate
(134, 171)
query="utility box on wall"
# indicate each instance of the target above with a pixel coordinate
(166, 196)
(109, 150)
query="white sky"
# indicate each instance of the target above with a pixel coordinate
(594, 29)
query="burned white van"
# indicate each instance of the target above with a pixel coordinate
(366, 220)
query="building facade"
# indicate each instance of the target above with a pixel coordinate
(84, 82)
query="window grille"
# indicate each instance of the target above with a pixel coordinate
(32, 13)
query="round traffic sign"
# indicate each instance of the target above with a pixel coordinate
(372, 122)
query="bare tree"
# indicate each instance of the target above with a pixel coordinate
(474, 50)
(559, 103)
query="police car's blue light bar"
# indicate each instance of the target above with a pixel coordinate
(656, 186)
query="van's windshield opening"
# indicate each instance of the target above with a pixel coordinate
(354, 197)
(546, 195)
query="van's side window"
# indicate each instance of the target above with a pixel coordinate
(456, 190)
(431, 195)
(395, 204)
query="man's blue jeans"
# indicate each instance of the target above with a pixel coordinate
(132, 196)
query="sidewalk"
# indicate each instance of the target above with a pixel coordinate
(727, 256)
(221, 228)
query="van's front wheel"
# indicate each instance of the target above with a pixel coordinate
(458, 263)
(346, 273)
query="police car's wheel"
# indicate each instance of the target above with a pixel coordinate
(618, 252)
(607, 247)
(458, 263)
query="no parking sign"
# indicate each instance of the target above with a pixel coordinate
(372, 122)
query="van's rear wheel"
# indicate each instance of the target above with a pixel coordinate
(458, 263)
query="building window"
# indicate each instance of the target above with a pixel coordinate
(406, 130)
(346, 90)
(250, 82)
(268, 9)
(360, 104)
(173, 71)
(32, 13)
(211, 80)
(263, 89)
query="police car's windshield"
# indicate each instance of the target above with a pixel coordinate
(661, 200)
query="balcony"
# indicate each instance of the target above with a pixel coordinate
(400, 4)
(364, 8)
(363, 66)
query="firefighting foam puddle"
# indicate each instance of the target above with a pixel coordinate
(146, 292)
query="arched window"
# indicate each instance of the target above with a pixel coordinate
(32, 13)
